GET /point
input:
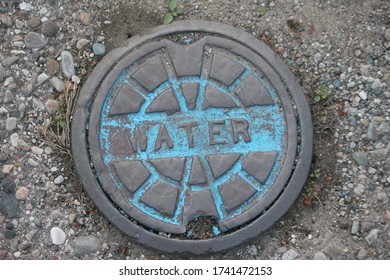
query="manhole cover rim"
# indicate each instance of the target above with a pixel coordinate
(281, 205)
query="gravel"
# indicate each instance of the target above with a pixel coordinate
(49, 46)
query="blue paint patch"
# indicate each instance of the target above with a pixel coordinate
(216, 231)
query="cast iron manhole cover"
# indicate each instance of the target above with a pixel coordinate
(194, 138)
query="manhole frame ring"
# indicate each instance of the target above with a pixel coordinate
(279, 206)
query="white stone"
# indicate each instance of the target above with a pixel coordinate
(363, 95)
(59, 180)
(36, 150)
(42, 78)
(14, 139)
(25, 6)
(57, 235)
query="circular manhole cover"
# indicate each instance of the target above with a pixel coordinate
(196, 127)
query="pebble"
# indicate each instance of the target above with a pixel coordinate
(99, 49)
(82, 43)
(32, 162)
(23, 145)
(9, 205)
(17, 254)
(362, 254)
(21, 193)
(7, 168)
(11, 123)
(49, 28)
(58, 84)
(85, 18)
(42, 78)
(253, 250)
(35, 253)
(76, 79)
(387, 34)
(378, 154)
(372, 133)
(57, 235)
(34, 41)
(6, 20)
(319, 256)
(2, 74)
(317, 57)
(36, 150)
(355, 227)
(26, 7)
(53, 67)
(56, 215)
(372, 236)
(290, 255)
(9, 61)
(52, 106)
(9, 234)
(34, 22)
(360, 158)
(19, 24)
(3, 254)
(67, 64)
(359, 189)
(86, 245)
(376, 85)
(383, 197)
(363, 95)
(14, 139)
(59, 180)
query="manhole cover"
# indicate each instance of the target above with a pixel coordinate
(192, 139)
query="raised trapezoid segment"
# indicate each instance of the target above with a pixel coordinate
(251, 92)
(152, 74)
(187, 60)
(225, 70)
(197, 175)
(161, 197)
(119, 142)
(259, 164)
(214, 98)
(235, 192)
(200, 204)
(127, 101)
(164, 102)
(190, 92)
(170, 167)
(221, 163)
(132, 173)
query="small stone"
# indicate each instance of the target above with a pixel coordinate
(59, 180)
(359, 189)
(82, 43)
(376, 85)
(14, 140)
(7, 168)
(57, 235)
(34, 41)
(378, 154)
(76, 79)
(19, 24)
(86, 245)
(49, 28)
(42, 78)
(253, 250)
(363, 95)
(35, 253)
(2, 219)
(17, 254)
(8, 97)
(26, 7)
(383, 197)
(48, 150)
(32, 162)
(58, 84)
(319, 256)
(6, 20)
(38, 103)
(53, 67)
(3, 254)
(36, 150)
(67, 64)
(9, 234)
(2, 74)
(23, 145)
(56, 215)
(21, 193)
(3, 157)
(372, 133)
(360, 158)
(290, 255)
(72, 218)
(317, 57)
(52, 106)
(11, 123)
(362, 254)
(9, 61)
(8, 81)
(372, 236)
(355, 227)
(34, 22)
(85, 18)
(99, 49)
(9, 205)
(387, 34)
